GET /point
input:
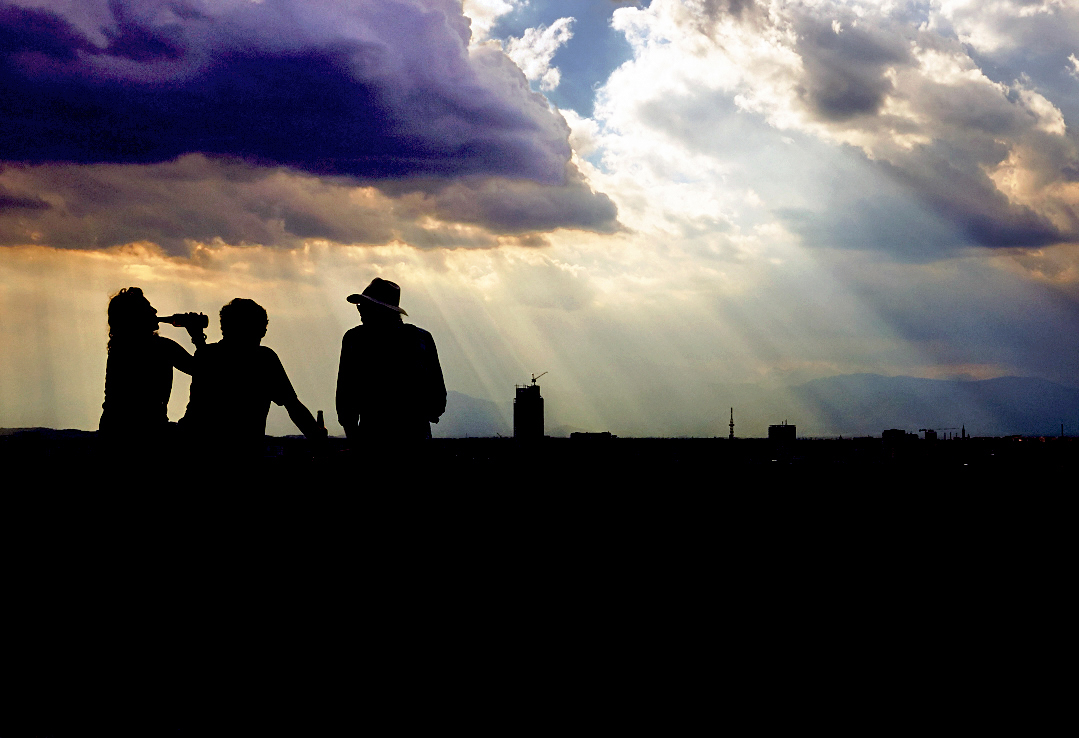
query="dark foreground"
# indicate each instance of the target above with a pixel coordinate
(551, 465)
(502, 587)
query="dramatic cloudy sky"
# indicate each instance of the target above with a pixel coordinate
(672, 207)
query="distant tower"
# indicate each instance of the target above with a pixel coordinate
(731, 436)
(528, 411)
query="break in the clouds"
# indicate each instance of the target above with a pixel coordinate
(485, 13)
(935, 96)
(534, 51)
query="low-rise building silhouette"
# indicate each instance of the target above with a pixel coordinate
(894, 436)
(782, 433)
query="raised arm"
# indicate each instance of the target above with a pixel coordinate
(179, 357)
(198, 335)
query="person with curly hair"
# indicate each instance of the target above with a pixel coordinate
(233, 383)
(138, 374)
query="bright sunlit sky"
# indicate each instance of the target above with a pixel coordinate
(668, 206)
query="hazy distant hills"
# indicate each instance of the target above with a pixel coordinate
(470, 417)
(866, 404)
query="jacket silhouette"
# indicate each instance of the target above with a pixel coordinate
(389, 382)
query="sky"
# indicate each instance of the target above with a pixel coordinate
(668, 206)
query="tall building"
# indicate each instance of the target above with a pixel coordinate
(783, 433)
(528, 411)
(781, 439)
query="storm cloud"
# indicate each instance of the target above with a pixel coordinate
(274, 123)
(367, 89)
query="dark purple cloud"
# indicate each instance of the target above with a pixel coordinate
(379, 89)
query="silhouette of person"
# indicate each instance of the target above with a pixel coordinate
(233, 383)
(389, 382)
(138, 374)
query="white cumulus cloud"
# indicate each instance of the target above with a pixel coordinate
(535, 49)
(992, 155)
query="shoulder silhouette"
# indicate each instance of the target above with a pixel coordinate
(234, 381)
(389, 381)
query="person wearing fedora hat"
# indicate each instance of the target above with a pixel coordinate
(389, 382)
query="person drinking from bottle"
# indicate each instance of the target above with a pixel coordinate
(138, 373)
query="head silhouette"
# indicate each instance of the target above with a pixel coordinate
(243, 321)
(379, 303)
(375, 315)
(131, 316)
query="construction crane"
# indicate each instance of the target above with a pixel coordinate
(534, 377)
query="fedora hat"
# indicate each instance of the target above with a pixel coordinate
(381, 292)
